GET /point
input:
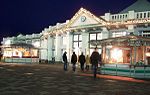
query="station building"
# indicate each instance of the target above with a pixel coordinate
(82, 33)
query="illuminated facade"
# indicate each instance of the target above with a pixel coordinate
(77, 33)
(22, 49)
(129, 50)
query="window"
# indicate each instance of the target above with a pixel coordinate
(146, 33)
(77, 43)
(29, 41)
(137, 15)
(77, 40)
(80, 37)
(80, 44)
(92, 36)
(95, 37)
(118, 34)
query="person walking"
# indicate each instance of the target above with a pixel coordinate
(87, 62)
(73, 61)
(65, 60)
(82, 61)
(95, 59)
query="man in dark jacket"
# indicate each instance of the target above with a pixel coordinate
(95, 58)
(65, 60)
(82, 61)
(74, 60)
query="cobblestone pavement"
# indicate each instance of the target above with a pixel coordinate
(52, 80)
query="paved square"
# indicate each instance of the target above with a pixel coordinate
(52, 80)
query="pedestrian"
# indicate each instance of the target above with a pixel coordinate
(95, 59)
(65, 60)
(82, 61)
(87, 62)
(73, 61)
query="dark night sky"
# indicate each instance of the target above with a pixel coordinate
(32, 16)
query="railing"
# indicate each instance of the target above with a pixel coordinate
(136, 71)
(142, 15)
(125, 16)
(21, 60)
(119, 17)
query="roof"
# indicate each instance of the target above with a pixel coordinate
(19, 45)
(138, 6)
(23, 45)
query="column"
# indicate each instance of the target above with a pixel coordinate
(69, 45)
(44, 49)
(53, 46)
(49, 45)
(58, 48)
(40, 49)
(85, 39)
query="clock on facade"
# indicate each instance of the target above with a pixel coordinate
(83, 18)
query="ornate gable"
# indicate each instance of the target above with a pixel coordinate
(83, 18)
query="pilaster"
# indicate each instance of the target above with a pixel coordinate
(69, 45)
(49, 45)
(43, 52)
(58, 48)
(131, 15)
(105, 33)
(85, 38)
(107, 16)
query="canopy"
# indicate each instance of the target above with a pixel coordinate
(123, 40)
